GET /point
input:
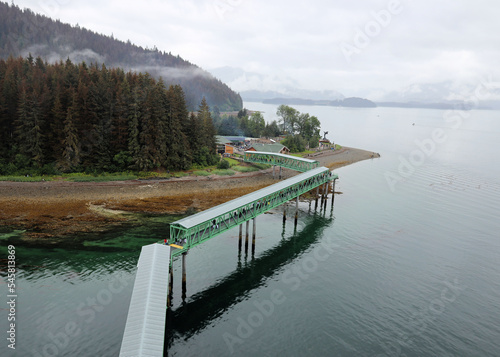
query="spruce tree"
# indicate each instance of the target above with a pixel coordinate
(178, 151)
(9, 110)
(149, 124)
(134, 147)
(208, 133)
(120, 118)
(70, 158)
(160, 112)
(55, 135)
(29, 128)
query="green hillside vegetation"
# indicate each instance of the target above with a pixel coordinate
(23, 32)
(301, 130)
(67, 117)
(244, 124)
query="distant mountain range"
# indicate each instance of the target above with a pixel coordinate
(346, 102)
(284, 90)
(258, 96)
(271, 86)
(448, 105)
(23, 32)
(354, 102)
(443, 95)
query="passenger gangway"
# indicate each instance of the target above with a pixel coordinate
(193, 230)
(145, 326)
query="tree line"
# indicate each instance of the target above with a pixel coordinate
(67, 117)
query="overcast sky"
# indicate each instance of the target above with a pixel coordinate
(356, 47)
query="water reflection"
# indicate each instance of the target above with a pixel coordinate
(205, 306)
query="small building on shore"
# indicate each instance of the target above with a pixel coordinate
(325, 144)
(276, 148)
(226, 144)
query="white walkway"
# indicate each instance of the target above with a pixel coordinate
(145, 328)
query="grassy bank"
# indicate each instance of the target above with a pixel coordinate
(234, 166)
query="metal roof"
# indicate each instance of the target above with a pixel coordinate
(269, 148)
(282, 155)
(145, 327)
(221, 140)
(221, 209)
(224, 139)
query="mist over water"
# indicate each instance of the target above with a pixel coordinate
(404, 265)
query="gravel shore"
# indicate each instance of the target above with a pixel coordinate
(53, 210)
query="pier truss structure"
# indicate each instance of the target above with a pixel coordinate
(287, 161)
(193, 230)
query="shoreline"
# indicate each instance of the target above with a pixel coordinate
(51, 211)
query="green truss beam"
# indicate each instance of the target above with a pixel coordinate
(196, 229)
(287, 161)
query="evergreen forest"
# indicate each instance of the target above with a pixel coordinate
(68, 117)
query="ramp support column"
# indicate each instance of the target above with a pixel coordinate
(253, 235)
(246, 237)
(240, 237)
(170, 286)
(333, 191)
(296, 210)
(317, 195)
(326, 193)
(184, 276)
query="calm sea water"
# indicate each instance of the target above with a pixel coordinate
(406, 263)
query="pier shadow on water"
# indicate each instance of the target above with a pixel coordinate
(203, 307)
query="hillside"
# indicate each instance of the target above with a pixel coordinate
(23, 32)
